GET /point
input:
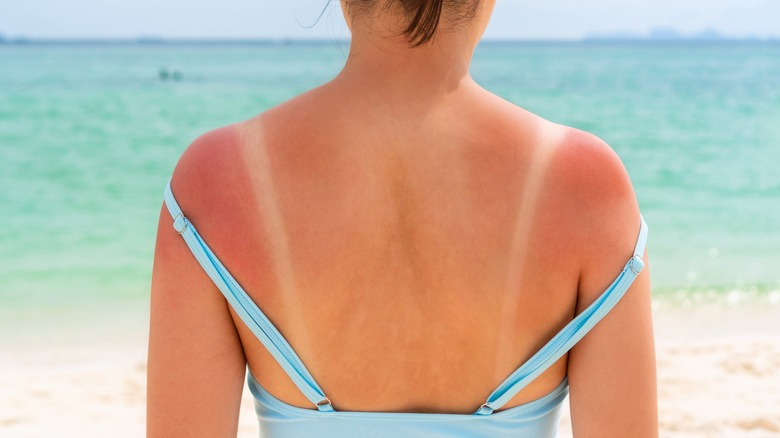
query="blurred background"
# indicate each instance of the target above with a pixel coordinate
(99, 99)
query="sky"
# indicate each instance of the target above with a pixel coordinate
(276, 19)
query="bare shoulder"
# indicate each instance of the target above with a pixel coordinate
(592, 169)
(208, 153)
(598, 199)
(587, 189)
(218, 183)
(224, 155)
(587, 169)
(210, 164)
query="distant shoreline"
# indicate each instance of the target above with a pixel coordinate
(22, 41)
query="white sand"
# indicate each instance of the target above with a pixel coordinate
(718, 376)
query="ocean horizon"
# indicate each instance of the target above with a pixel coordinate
(588, 39)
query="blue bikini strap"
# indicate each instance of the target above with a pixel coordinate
(572, 333)
(246, 309)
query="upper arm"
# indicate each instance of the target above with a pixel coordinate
(196, 365)
(612, 370)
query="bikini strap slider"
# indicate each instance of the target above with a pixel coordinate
(636, 260)
(485, 409)
(180, 223)
(324, 404)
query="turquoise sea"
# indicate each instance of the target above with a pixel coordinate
(89, 134)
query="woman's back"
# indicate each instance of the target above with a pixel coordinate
(414, 246)
(428, 268)
(464, 226)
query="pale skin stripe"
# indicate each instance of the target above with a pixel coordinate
(527, 202)
(264, 201)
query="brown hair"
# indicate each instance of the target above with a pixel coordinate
(423, 16)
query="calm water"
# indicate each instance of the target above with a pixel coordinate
(89, 135)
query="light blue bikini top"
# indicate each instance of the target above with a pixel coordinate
(537, 418)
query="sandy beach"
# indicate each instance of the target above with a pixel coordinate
(718, 376)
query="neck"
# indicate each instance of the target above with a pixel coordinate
(386, 64)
